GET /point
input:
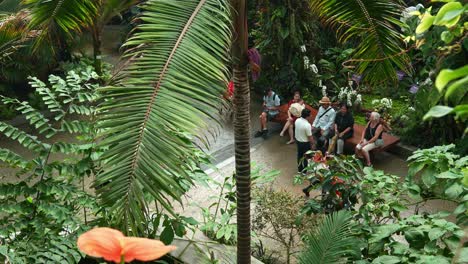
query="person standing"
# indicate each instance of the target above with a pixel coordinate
(322, 127)
(304, 139)
(271, 103)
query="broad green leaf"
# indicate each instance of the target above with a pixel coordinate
(449, 14)
(425, 24)
(384, 231)
(456, 86)
(446, 37)
(461, 111)
(428, 177)
(435, 233)
(463, 257)
(415, 168)
(454, 190)
(386, 260)
(438, 111)
(167, 235)
(448, 175)
(447, 75)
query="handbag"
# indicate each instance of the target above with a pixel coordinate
(379, 142)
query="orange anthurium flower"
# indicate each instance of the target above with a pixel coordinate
(112, 245)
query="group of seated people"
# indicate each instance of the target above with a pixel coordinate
(328, 131)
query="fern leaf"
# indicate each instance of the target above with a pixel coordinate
(26, 140)
(13, 159)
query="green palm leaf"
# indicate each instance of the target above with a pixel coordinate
(12, 34)
(332, 242)
(374, 23)
(60, 16)
(171, 86)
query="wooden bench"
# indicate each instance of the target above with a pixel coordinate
(389, 140)
(282, 117)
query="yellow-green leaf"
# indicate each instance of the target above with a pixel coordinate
(447, 75)
(426, 23)
(449, 14)
(438, 111)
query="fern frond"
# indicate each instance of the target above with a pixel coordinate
(35, 118)
(26, 140)
(13, 159)
(332, 242)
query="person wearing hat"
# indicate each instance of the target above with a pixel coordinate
(322, 127)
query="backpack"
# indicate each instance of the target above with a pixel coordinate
(275, 96)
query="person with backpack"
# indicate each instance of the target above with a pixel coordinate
(271, 103)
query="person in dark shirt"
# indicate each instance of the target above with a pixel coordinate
(344, 123)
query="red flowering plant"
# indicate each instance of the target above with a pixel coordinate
(336, 178)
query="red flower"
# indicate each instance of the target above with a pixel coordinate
(338, 193)
(112, 245)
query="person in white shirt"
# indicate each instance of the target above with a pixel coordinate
(271, 103)
(322, 127)
(304, 140)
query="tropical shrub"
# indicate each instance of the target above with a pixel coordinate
(437, 173)
(441, 28)
(416, 239)
(220, 224)
(337, 178)
(277, 217)
(47, 205)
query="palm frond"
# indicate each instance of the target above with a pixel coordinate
(171, 86)
(374, 22)
(13, 34)
(332, 242)
(64, 16)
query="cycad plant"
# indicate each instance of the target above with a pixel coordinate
(172, 84)
(57, 20)
(332, 242)
(46, 206)
(375, 24)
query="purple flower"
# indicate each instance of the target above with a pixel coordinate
(400, 75)
(357, 78)
(414, 88)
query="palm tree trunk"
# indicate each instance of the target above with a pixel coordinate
(242, 130)
(96, 33)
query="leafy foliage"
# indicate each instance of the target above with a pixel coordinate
(279, 28)
(45, 205)
(277, 217)
(338, 179)
(333, 240)
(373, 23)
(424, 239)
(150, 111)
(220, 224)
(59, 16)
(437, 173)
